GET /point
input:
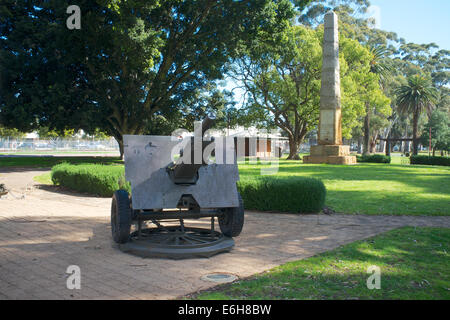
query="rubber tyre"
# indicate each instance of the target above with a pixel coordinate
(121, 216)
(232, 222)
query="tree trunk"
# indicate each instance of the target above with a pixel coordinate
(366, 143)
(434, 152)
(360, 145)
(373, 144)
(415, 137)
(121, 149)
(119, 139)
(293, 149)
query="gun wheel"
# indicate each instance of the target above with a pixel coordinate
(121, 216)
(232, 221)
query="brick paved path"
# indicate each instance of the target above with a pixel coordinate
(48, 230)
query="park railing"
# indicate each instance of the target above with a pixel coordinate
(8, 144)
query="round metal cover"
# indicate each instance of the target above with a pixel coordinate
(220, 277)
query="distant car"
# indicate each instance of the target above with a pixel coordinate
(96, 146)
(81, 146)
(100, 147)
(42, 145)
(26, 145)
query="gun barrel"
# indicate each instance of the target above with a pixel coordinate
(208, 123)
(186, 173)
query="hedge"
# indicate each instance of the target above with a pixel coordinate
(286, 194)
(95, 179)
(289, 194)
(432, 161)
(375, 158)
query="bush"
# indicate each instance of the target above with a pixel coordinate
(96, 179)
(432, 161)
(292, 194)
(375, 158)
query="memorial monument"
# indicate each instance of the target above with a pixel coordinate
(330, 149)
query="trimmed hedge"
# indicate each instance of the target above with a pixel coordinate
(287, 194)
(432, 161)
(375, 158)
(96, 179)
(290, 194)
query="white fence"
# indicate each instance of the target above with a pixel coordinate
(29, 145)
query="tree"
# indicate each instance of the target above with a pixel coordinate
(314, 12)
(439, 123)
(132, 62)
(283, 83)
(380, 67)
(11, 133)
(46, 133)
(415, 97)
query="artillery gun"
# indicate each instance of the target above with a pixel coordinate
(167, 189)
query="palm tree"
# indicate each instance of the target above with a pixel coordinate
(380, 66)
(415, 97)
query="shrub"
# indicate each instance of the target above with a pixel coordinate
(432, 161)
(290, 194)
(375, 158)
(96, 179)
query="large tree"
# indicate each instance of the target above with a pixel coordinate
(416, 97)
(283, 83)
(131, 63)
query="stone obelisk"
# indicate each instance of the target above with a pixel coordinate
(330, 149)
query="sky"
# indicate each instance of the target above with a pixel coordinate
(418, 21)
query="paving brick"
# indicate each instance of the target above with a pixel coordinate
(48, 231)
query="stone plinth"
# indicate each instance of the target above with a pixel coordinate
(330, 154)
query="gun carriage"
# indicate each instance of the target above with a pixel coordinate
(166, 189)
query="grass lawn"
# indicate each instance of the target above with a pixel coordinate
(366, 188)
(371, 188)
(50, 161)
(52, 152)
(414, 264)
(45, 178)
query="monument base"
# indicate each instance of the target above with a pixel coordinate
(330, 154)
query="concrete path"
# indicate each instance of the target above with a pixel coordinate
(48, 229)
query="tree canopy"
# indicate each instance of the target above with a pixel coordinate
(283, 83)
(131, 62)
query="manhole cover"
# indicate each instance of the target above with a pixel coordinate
(219, 277)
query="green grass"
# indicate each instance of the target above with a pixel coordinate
(365, 188)
(52, 152)
(49, 161)
(414, 264)
(372, 188)
(45, 178)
